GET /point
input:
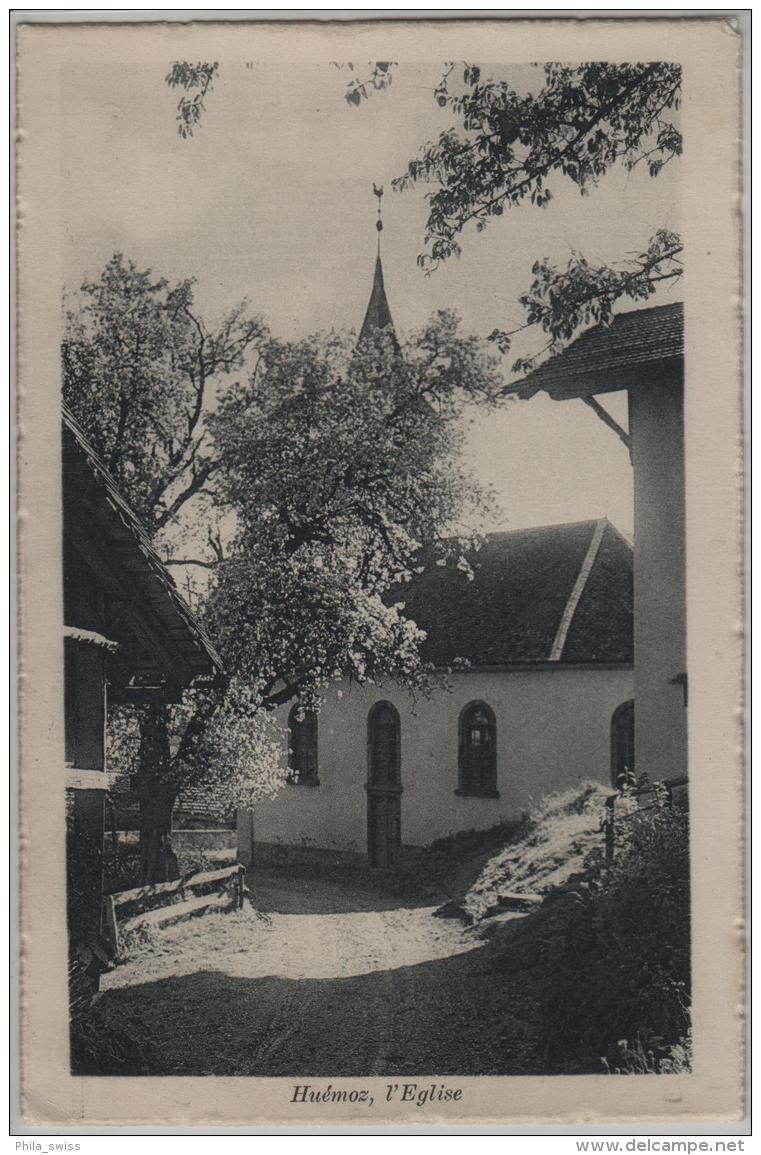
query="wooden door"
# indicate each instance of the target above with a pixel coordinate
(384, 787)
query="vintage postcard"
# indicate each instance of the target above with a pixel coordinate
(380, 411)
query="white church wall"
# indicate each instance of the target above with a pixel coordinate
(553, 732)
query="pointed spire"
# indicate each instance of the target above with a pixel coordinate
(378, 315)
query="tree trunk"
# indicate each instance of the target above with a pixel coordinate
(158, 862)
(157, 793)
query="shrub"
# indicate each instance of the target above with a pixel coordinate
(611, 953)
(638, 1059)
(121, 867)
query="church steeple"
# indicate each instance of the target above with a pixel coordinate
(378, 316)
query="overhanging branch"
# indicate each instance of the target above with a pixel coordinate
(190, 561)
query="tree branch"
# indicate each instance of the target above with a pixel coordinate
(290, 690)
(194, 486)
(555, 157)
(190, 561)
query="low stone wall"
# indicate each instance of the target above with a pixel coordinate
(216, 838)
(128, 818)
(212, 838)
(280, 854)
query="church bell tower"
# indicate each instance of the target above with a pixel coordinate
(378, 316)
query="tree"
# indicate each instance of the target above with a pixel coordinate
(341, 463)
(334, 465)
(224, 742)
(581, 122)
(562, 301)
(508, 148)
(140, 370)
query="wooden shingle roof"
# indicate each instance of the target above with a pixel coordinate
(108, 534)
(559, 595)
(637, 347)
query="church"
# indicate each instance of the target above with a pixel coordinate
(535, 648)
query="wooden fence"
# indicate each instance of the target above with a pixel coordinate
(641, 793)
(168, 902)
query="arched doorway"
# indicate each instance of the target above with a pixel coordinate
(384, 785)
(622, 770)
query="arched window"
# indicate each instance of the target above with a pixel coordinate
(478, 751)
(622, 745)
(302, 746)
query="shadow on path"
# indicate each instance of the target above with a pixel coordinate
(450, 1016)
(301, 892)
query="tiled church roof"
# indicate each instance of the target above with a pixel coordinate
(558, 594)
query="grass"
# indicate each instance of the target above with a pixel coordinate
(112, 1040)
(608, 953)
(547, 849)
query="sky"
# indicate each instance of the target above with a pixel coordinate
(272, 200)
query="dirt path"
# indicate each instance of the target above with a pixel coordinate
(332, 980)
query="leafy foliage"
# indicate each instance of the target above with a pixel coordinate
(236, 752)
(140, 368)
(332, 464)
(340, 462)
(611, 950)
(379, 78)
(510, 148)
(582, 121)
(196, 80)
(563, 301)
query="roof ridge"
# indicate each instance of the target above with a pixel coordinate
(494, 534)
(543, 525)
(665, 306)
(587, 565)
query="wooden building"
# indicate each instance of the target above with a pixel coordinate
(128, 636)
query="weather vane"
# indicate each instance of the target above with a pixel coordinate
(379, 193)
(379, 223)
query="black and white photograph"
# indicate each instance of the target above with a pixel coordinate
(373, 585)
